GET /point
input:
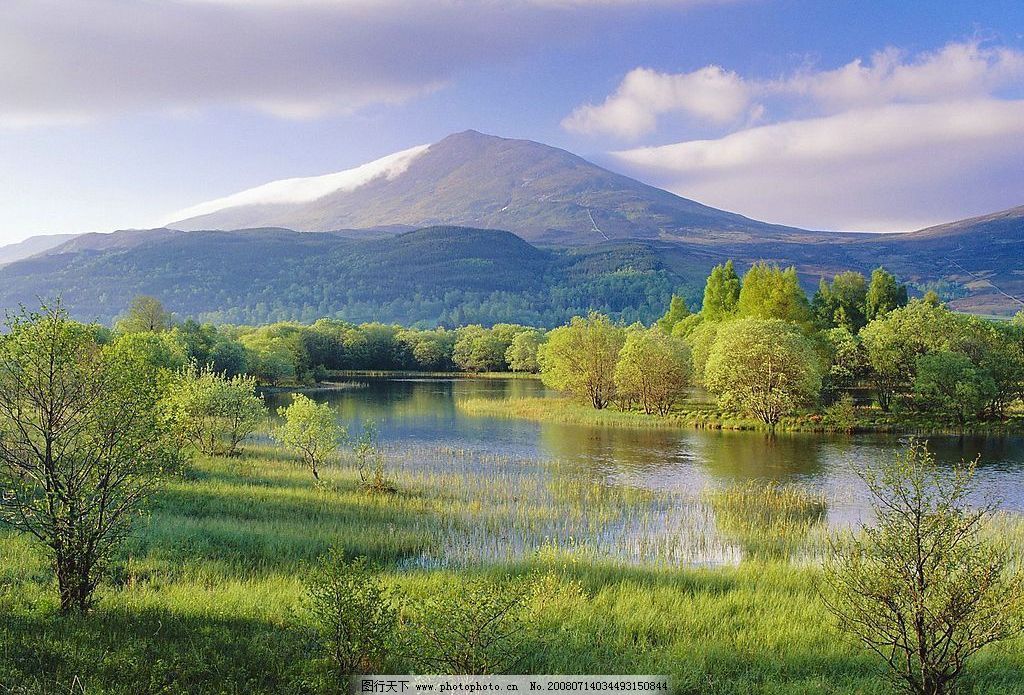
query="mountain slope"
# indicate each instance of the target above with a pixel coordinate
(31, 246)
(538, 192)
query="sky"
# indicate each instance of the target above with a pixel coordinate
(826, 114)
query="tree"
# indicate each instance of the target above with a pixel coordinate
(769, 292)
(146, 314)
(81, 444)
(842, 303)
(949, 384)
(923, 588)
(522, 352)
(721, 292)
(847, 361)
(677, 311)
(214, 412)
(764, 366)
(580, 358)
(884, 295)
(653, 369)
(354, 618)
(311, 430)
(479, 349)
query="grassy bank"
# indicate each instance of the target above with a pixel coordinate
(709, 416)
(207, 596)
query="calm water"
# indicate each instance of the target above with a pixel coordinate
(421, 415)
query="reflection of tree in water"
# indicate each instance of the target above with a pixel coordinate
(741, 456)
(607, 451)
(767, 520)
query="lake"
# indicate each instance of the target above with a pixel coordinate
(420, 417)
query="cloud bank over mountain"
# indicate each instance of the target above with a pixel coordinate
(876, 144)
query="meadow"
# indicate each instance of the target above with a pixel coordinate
(207, 595)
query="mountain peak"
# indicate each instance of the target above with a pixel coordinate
(536, 191)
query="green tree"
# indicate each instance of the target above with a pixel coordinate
(311, 430)
(580, 358)
(653, 369)
(213, 412)
(146, 314)
(355, 620)
(769, 292)
(162, 350)
(765, 366)
(884, 295)
(81, 444)
(721, 292)
(841, 304)
(522, 352)
(847, 362)
(677, 311)
(924, 588)
(479, 349)
(950, 385)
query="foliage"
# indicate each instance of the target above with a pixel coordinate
(949, 384)
(311, 429)
(847, 362)
(354, 617)
(653, 369)
(677, 311)
(841, 416)
(213, 412)
(884, 294)
(764, 366)
(922, 588)
(769, 292)
(370, 462)
(521, 355)
(721, 292)
(481, 628)
(145, 315)
(81, 444)
(843, 304)
(580, 358)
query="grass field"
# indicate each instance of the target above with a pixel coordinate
(207, 596)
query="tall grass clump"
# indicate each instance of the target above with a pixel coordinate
(768, 520)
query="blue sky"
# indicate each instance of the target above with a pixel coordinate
(115, 113)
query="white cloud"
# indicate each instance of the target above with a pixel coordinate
(717, 96)
(709, 94)
(309, 188)
(893, 167)
(69, 61)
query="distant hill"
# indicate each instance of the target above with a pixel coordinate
(440, 275)
(540, 193)
(31, 246)
(457, 275)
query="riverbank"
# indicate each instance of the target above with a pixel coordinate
(208, 595)
(709, 416)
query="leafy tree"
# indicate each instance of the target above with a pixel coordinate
(769, 292)
(841, 304)
(81, 444)
(580, 358)
(311, 430)
(765, 366)
(677, 311)
(923, 588)
(146, 314)
(354, 618)
(521, 355)
(847, 361)
(214, 412)
(949, 384)
(701, 340)
(896, 340)
(721, 293)
(653, 369)
(163, 350)
(479, 349)
(884, 295)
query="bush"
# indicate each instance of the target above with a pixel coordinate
(353, 615)
(311, 430)
(213, 412)
(371, 462)
(841, 416)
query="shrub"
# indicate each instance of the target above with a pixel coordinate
(922, 588)
(214, 412)
(354, 617)
(841, 416)
(311, 430)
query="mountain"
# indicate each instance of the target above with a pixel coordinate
(31, 246)
(540, 193)
(440, 275)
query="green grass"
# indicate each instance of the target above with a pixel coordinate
(709, 416)
(205, 598)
